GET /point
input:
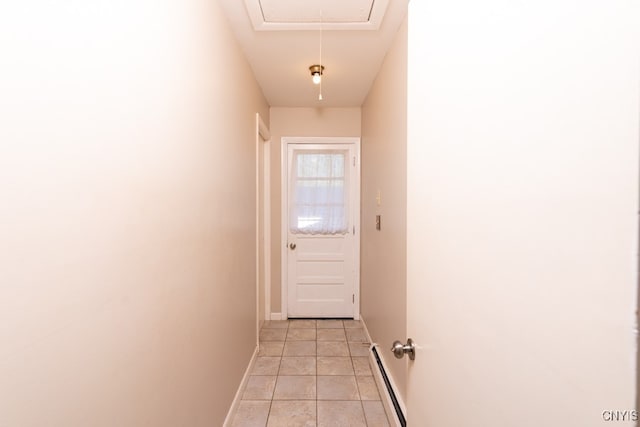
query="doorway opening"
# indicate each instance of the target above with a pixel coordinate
(263, 223)
(321, 228)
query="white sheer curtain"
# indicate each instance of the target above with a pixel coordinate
(319, 192)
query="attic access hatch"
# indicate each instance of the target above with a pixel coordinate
(278, 15)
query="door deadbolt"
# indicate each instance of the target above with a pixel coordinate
(399, 349)
(292, 246)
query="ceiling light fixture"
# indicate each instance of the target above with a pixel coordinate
(316, 73)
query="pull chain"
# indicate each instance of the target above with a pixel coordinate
(320, 62)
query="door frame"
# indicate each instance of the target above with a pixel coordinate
(284, 215)
(263, 209)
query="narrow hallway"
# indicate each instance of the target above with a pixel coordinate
(146, 194)
(311, 372)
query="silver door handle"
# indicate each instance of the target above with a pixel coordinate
(399, 349)
(292, 246)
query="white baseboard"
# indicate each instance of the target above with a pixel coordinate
(277, 316)
(382, 388)
(238, 396)
(366, 331)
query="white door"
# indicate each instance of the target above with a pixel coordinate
(321, 188)
(522, 201)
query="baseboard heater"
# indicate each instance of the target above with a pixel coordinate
(390, 391)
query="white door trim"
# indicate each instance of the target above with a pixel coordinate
(285, 208)
(267, 229)
(263, 139)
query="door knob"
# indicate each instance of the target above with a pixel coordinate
(399, 349)
(292, 246)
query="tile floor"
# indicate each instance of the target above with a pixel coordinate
(311, 373)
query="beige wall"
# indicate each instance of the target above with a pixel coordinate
(127, 150)
(384, 151)
(299, 122)
(523, 148)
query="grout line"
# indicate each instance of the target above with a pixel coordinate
(277, 374)
(269, 412)
(364, 414)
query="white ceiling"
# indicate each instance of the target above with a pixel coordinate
(281, 51)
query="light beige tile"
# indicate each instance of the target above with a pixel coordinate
(266, 366)
(259, 387)
(251, 413)
(302, 323)
(331, 335)
(333, 348)
(361, 365)
(358, 349)
(292, 413)
(337, 387)
(273, 334)
(367, 388)
(276, 324)
(356, 335)
(295, 387)
(341, 413)
(299, 348)
(375, 414)
(348, 324)
(271, 348)
(298, 366)
(335, 366)
(329, 324)
(301, 335)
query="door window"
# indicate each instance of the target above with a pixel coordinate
(319, 192)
